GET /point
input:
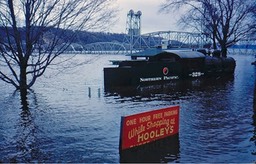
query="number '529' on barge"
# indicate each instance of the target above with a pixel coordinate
(160, 65)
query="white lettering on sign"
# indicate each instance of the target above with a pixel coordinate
(196, 74)
(170, 77)
(150, 79)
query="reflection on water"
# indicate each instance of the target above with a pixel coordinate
(172, 88)
(164, 150)
(62, 123)
(26, 142)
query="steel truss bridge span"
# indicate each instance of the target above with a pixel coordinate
(99, 48)
(106, 48)
(177, 39)
(133, 43)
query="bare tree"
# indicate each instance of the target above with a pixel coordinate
(226, 21)
(33, 34)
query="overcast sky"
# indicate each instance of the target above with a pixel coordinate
(151, 19)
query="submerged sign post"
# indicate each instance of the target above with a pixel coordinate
(143, 128)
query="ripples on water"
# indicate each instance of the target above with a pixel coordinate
(65, 123)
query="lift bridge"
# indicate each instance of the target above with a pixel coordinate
(175, 39)
(135, 41)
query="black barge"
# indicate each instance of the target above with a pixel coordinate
(167, 65)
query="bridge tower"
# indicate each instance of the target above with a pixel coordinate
(133, 29)
(133, 23)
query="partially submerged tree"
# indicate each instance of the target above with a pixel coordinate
(33, 34)
(225, 21)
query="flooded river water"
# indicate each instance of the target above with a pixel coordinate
(71, 118)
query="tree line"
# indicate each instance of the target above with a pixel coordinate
(80, 37)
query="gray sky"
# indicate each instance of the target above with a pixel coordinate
(151, 19)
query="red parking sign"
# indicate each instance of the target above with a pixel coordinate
(149, 126)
